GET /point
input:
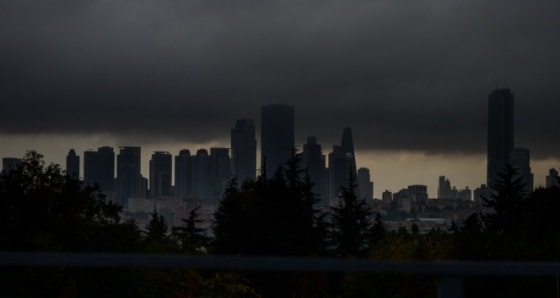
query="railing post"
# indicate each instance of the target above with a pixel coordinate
(450, 287)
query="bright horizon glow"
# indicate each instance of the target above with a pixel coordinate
(389, 170)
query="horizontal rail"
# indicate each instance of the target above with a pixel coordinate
(437, 268)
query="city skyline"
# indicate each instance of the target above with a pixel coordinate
(410, 78)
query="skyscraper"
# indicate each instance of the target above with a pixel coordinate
(444, 188)
(338, 173)
(314, 161)
(129, 180)
(99, 167)
(277, 135)
(552, 179)
(221, 163)
(347, 144)
(73, 164)
(244, 150)
(183, 174)
(160, 174)
(500, 132)
(520, 158)
(203, 176)
(365, 184)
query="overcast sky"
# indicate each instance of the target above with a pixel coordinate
(408, 76)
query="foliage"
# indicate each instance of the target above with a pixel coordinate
(190, 238)
(351, 222)
(43, 209)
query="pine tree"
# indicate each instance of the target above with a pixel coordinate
(351, 223)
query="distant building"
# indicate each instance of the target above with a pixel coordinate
(314, 161)
(520, 158)
(338, 173)
(365, 184)
(387, 197)
(347, 144)
(221, 164)
(244, 150)
(444, 188)
(73, 164)
(465, 194)
(10, 164)
(500, 133)
(203, 176)
(99, 168)
(480, 193)
(130, 183)
(418, 193)
(160, 174)
(552, 179)
(183, 174)
(277, 135)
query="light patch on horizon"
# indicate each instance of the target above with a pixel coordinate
(390, 170)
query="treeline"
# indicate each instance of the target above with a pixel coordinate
(42, 209)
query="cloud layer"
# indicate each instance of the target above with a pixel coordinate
(406, 75)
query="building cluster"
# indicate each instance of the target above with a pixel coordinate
(201, 177)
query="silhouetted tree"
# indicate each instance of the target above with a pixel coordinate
(191, 238)
(351, 222)
(507, 198)
(156, 230)
(378, 232)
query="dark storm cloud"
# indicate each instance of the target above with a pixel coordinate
(404, 74)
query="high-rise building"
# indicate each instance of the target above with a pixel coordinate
(221, 163)
(277, 135)
(314, 161)
(552, 179)
(129, 180)
(203, 176)
(183, 174)
(244, 150)
(10, 164)
(465, 194)
(444, 188)
(99, 168)
(387, 197)
(338, 173)
(73, 164)
(160, 174)
(520, 158)
(481, 193)
(347, 144)
(500, 132)
(365, 184)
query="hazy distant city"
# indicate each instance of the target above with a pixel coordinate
(177, 184)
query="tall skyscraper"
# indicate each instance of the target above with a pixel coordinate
(552, 179)
(129, 180)
(73, 164)
(160, 174)
(520, 158)
(314, 161)
(99, 167)
(203, 176)
(365, 184)
(221, 163)
(183, 174)
(244, 150)
(444, 188)
(347, 144)
(338, 173)
(277, 135)
(500, 132)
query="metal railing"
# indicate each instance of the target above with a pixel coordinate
(451, 274)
